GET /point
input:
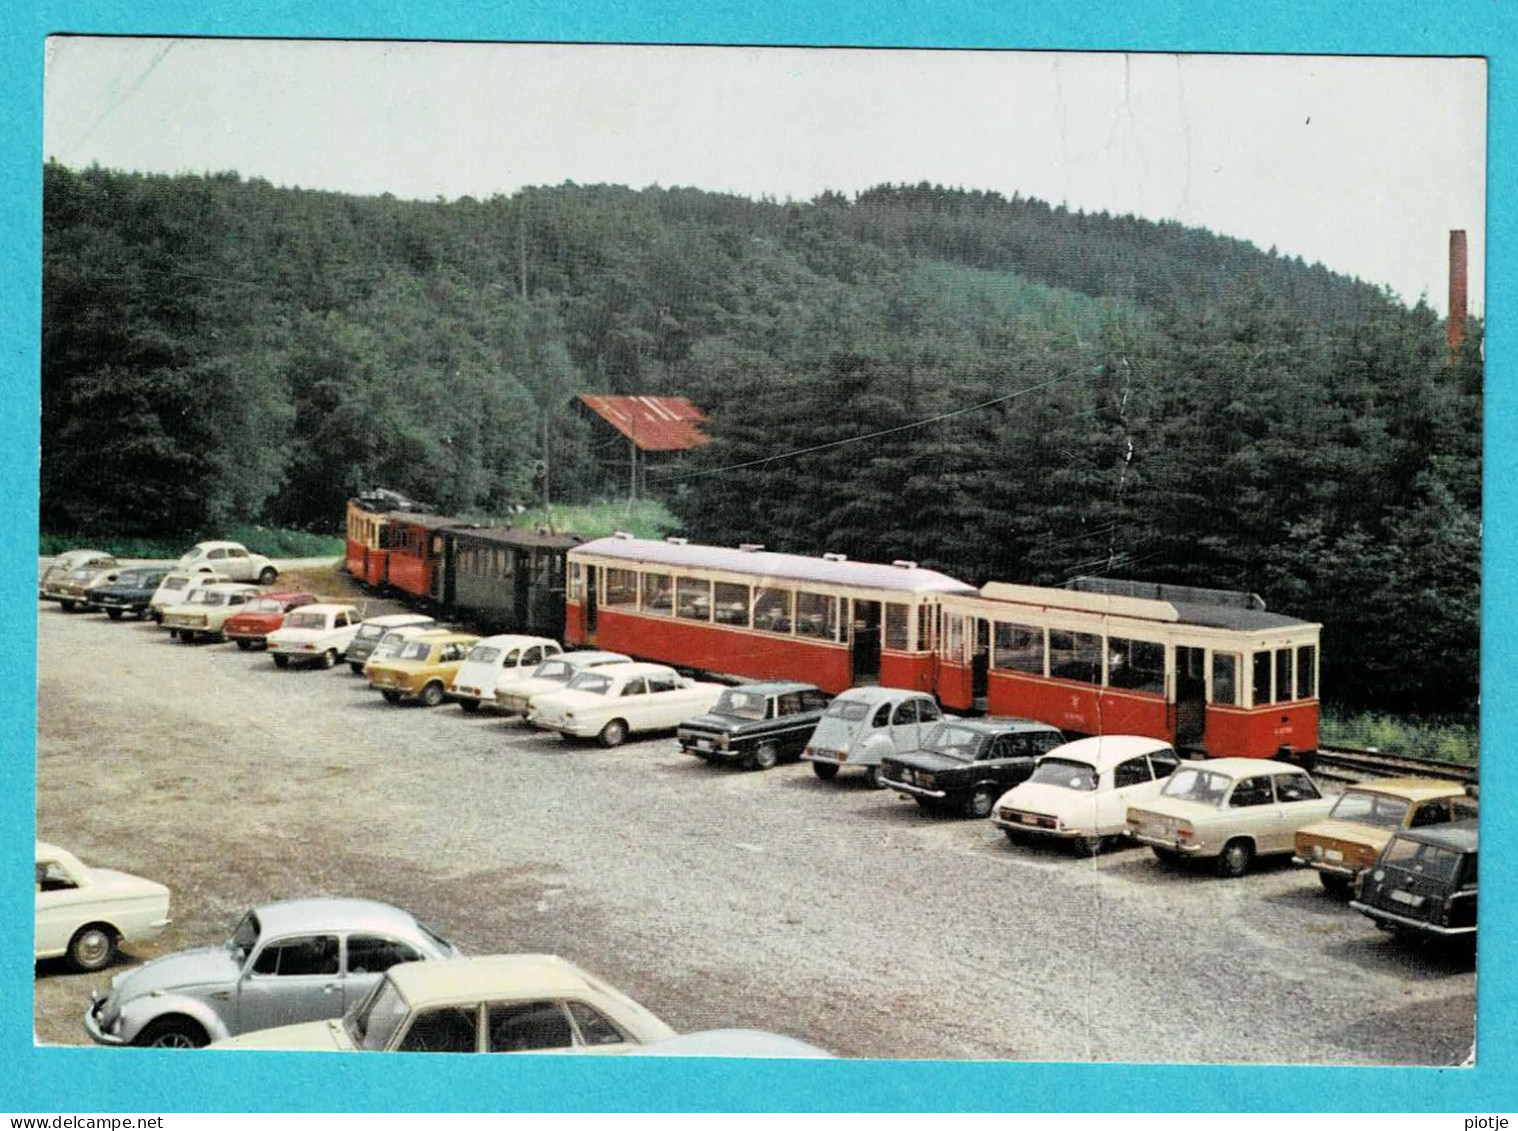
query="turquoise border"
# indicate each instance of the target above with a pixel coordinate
(63, 1080)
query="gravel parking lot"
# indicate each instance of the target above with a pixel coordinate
(718, 898)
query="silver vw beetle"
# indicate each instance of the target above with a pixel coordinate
(299, 960)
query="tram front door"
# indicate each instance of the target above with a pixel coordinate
(980, 664)
(866, 649)
(1190, 696)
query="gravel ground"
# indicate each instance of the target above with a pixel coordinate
(829, 911)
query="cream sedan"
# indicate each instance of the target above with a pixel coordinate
(611, 702)
(1231, 810)
(84, 913)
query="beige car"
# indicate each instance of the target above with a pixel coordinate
(1364, 819)
(497, 1003)
(84, 913)
(206, 609)
(1230, 810)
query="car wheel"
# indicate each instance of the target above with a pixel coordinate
(1088, 845)
(114, 614)
(172, 1033)
(1167, 856)
(357, 668)
(1336, 886)
(981, 802)
(244, 645)
(1016, 836)
(1235, 858)
(872, 776)
(329, 657)
(613, 733)
(66, 606)
(391, 696)
(764, 757)
(926, 804)
(92, 948)
(469, 706)
(267, 575)
(173, 634)
(281, 661)
(825, 770)
(432, 694)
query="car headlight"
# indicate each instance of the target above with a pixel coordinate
(1317, 852)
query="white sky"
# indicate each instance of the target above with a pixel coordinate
(1361, 164)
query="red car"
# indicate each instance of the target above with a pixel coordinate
(261, 616)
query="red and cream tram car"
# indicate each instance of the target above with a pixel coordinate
(417, 553)
(1203, 669)
(367, 555)
(827, 620)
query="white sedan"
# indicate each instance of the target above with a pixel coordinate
(611, 702)
(552, 677)
(84, 913)
(495, 663)
(314, 634)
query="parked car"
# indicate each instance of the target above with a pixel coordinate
(176, 587)
(552, 676)
(374, 630)
(129, 593)
(494, 663)
(299, 960)
(864, 725)
(206, 610)
(1231, 810)
(250, 626)
(755, 725)
(966, 764)
(609, 703)
(423, 669)
(85, 913)
(78, 587)
(1364, 819)
(313, 634)
(1080, 792)
(65, 564)
(1424, 882)
(497, 1003)
(230, 559)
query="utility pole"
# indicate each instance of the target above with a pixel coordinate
(545, 466)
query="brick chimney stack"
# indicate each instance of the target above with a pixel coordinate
(1455, 324)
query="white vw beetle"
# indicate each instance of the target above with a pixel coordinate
(495, 663)
(316, 634)
(84, 913)
(1081, 791)
(230, 559)
(611, 702)
(863, 725)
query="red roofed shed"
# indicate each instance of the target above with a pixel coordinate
(658, 426)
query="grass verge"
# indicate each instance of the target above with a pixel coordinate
(1448, 740)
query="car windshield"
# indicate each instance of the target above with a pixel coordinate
(175, 582)
(592, 682)
(417, 650)
(742, 704)
(1065, 774)
(952, 741)
(1366, 808)
(849, 710)
(306, 620)
(1431, 860)
(375, 1019)
(484, 654)
(84, 574)
(556, 670)
(263, 605)
(371, 631)
(190, 558)
(244, 938)
(1197, 785)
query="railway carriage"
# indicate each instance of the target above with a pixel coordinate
(1203, 669)
(748, 612)
(505, 579)
(367, 554)
(416, 556)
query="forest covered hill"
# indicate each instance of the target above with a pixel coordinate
(991, 386)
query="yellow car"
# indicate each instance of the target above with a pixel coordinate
(423, 669)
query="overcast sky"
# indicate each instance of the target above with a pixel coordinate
(1362, 164)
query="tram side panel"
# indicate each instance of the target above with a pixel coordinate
(1261, 732)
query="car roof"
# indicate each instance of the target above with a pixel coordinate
(1003, 725)
(516, 640)
(233, 586)
(1106, 750)
(593, 657)
(46, 851)
(1410, 789)
(1248, 767)
(444, 636)
(287, 594)
(631, 668)
(775, 687)
(493, 975)
(326, 607)
(217, 545)
(70, 558)
(332, 914)
(732, 1042)
(1458, 835)
(873, 694)
(400, 620)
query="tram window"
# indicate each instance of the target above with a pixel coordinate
(658, 594)
(816, 615)
(574, 580)
(621, 590)
(954, 638)
(730, 605)
(896, 627)
(772, 610)
(1225, 679)
(1136, 665)
(924, 628)
(1075, 655)
(1262, 694)
(1307, 669)
(694, 598)
(1019, 648)
(1283, 674)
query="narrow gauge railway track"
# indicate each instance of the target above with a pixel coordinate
(1344, 763)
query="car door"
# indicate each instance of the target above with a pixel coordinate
(365, 960)
(239, 564)
(670, 702)
(904, 732)
(292, 979)
(1299, 804)
(1009, 758)
(1252, 812)
(632, 703)
(1128, 779)
(60, 894)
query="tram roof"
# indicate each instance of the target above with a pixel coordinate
(784, 567)
(1198, 610)
(515, 536)
(425, 521)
